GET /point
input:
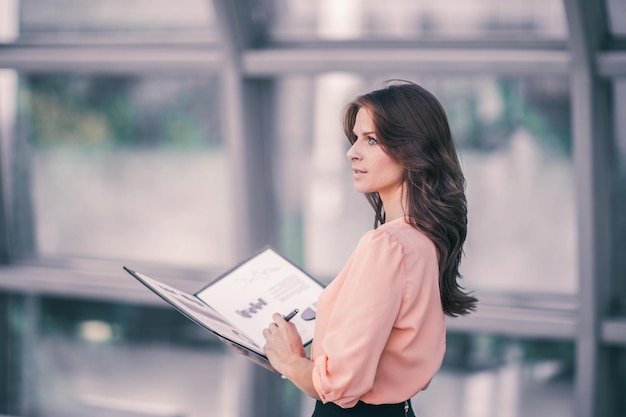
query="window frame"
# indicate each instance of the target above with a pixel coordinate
(248, 64)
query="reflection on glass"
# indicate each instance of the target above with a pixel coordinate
(8, 21)
(153, 362)
(486, 376)
(400, 19)
(616, 12)
(515, 144)
(494, 376)
(40, 16)
(617, 380)
(329, 197)
(124, 168)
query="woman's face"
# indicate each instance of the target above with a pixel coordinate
(373, 170)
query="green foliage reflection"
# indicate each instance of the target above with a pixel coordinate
(486, 112)
(107, 112)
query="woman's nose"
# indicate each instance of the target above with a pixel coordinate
(353, 153)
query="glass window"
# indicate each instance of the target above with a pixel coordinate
(494, 376)
(617, 380)
(8, 21)
(103, 359)
(616, 11)
(515, 144)
(404, 20)
(486, 375)
(46, 16)
(121, 167)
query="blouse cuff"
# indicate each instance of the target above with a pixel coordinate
(323, 386)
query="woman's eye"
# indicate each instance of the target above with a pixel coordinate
(372, 141)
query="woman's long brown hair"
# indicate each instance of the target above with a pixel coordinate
(413, 129)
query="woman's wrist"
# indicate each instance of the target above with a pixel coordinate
(299, 370)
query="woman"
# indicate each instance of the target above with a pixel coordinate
(380, 328)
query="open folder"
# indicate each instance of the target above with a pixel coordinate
(239, 304)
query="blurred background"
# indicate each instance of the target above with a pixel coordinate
(180, 137)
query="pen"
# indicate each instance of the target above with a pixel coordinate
(291, 315)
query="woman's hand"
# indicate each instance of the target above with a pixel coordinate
(286, 354)
(283, 344)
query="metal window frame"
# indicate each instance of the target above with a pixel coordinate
(593, 135)
(248, 64)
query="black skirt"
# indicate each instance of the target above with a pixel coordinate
(361, 409)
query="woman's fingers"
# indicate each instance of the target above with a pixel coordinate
(278, 319)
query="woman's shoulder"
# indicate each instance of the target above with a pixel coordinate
(403, 233)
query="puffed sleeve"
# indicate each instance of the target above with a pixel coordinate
(362, 318)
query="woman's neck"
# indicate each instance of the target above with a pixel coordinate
(395, 204)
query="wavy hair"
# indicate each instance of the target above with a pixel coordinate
(412, 128)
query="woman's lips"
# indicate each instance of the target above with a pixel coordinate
(358, 172)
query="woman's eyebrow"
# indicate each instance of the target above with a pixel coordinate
(372, 133)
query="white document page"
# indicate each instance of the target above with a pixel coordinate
(251, 293)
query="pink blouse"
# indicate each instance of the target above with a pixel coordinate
(380, 328)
